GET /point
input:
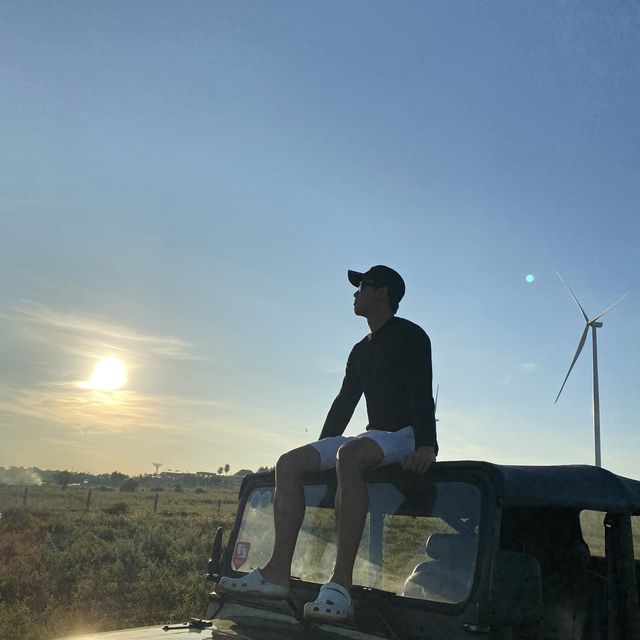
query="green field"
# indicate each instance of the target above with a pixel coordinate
(65, 569)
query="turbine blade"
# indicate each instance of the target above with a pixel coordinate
(435, 404)
(611, 307)
(578, 350)
(584, 315)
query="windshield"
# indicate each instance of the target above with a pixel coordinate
(418, 542)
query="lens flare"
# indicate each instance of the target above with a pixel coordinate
(530, 278)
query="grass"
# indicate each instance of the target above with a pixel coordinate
(66, 570)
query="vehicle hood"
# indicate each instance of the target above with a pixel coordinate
(241, 627)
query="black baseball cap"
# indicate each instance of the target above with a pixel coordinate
(380, 276)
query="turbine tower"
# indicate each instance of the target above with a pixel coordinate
(594, 325)
(157, 465)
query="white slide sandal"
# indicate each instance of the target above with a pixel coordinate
(253, 584)
(333, 603)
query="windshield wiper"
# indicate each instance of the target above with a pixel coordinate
(194, 623)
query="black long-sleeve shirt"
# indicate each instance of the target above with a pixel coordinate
(392, 367)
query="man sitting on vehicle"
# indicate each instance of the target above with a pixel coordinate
(392, 367)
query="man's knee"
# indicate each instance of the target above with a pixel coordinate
(298, 461)
(358, 455)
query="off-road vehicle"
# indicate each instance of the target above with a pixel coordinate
(470, 550)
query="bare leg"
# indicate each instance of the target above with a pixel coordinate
(352, 501)
(288, 510)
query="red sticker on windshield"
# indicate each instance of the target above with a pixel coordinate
(240, 554)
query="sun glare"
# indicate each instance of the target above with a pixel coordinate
(110, 374)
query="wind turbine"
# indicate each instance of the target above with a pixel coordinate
(594, 325)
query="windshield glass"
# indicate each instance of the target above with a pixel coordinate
(418, 542)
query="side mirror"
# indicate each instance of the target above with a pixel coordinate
(516, 589)
(215, 561)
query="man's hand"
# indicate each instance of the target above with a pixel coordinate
(420, 460)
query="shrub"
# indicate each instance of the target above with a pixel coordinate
(129, 485)
(117, 508)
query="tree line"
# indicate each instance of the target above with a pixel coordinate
(114, 479)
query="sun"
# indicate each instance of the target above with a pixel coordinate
(110, 374)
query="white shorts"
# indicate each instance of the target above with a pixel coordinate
(395, 445)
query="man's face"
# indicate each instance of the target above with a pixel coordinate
(368, 298)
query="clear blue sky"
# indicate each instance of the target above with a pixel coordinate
(184, 185)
